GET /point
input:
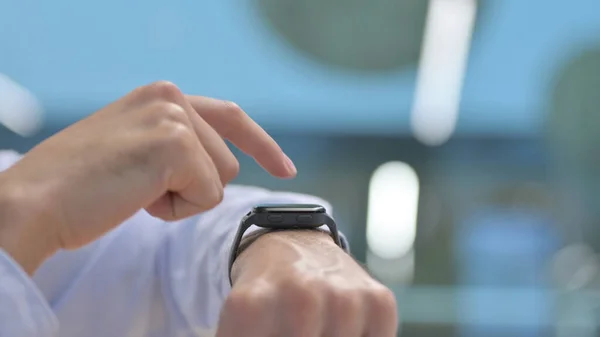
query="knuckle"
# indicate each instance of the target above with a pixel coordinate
(234, 117)
(246, 303)
(230, 170)
(302, 295)
(168, 111)
(293, 286)
(232, 108)
(165, 90)
(303, 306)
(166, 141)
(174, 137)
(382, 299)
(345, 303)
(234, 113)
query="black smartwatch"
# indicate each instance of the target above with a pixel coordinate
(284, 217)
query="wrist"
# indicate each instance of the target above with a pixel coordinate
(22, 235)
(266, 248)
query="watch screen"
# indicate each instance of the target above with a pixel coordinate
(289, 208)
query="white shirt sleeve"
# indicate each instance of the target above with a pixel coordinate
(145, 278)
(23, 309)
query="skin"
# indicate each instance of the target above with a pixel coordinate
(163, 151)
(301, 284)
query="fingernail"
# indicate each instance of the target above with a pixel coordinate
(290, 166)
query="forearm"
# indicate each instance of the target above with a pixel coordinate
(21, 236)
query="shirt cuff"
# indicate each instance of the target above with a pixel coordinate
(23, 309)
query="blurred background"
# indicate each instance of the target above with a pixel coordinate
(456, 139)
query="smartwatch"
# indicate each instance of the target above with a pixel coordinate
(284, 217)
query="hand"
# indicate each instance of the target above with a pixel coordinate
(300, 284)
(155, 149)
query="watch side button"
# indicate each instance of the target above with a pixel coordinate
(275, 218)
(304, 218)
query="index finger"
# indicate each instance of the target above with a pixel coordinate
(232, 123)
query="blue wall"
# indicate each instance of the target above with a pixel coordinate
(77, 55)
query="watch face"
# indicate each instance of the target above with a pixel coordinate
(289, 208)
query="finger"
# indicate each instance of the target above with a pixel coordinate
(232, 123)
(383, 313)
(225, 162)
(192, 182)
(194, 188)
(248, 312)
